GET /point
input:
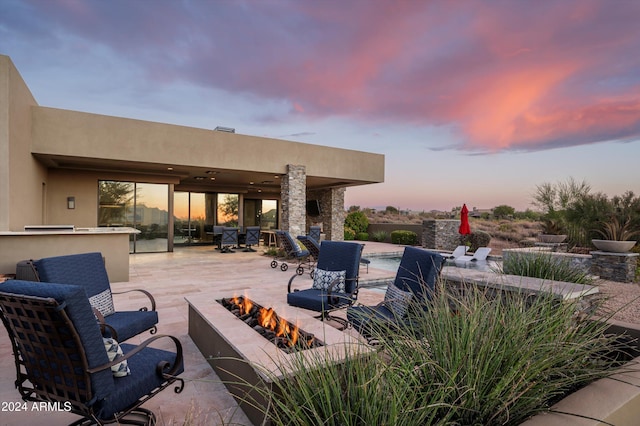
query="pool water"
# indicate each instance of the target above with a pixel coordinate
(391, 263)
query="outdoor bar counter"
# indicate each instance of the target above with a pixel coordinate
(38, 242)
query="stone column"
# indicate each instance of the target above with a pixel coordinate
(293, 189)
(620, 267)
(333, 223)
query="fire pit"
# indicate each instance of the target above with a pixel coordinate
(245, 360)
(286, 336)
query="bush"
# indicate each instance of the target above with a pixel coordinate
(362, 236)
(408, 238)
(477, 239)
(496, 361)
(357, 221)
(380, 236)
(349, 234)
(545, 266)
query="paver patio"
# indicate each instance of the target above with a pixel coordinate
(171, 277)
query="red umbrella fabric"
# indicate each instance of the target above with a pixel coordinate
(464, 221)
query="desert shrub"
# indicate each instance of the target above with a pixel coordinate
(496, 361)
(545, 266)
(362, 236)
(404, 237)
(379, 236)
(349, 234)
(357, 221)
(477, 239)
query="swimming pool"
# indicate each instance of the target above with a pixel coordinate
(392, 262)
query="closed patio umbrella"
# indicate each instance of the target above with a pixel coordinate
(464, 221)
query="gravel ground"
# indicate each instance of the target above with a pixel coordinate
(623, 299)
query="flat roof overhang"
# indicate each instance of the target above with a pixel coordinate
(195, 159)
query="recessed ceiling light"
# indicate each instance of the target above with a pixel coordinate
(251, 183)
(212, 178)
(169, 168)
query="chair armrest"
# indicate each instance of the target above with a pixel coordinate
(163, 368)
(290, 282)
(334, 298)
(103, 325)
(146, 293)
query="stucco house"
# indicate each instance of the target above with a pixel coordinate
(90, 179)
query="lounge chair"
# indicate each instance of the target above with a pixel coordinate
(290, 250)
(480, 254)
(335, 281)
(88, 270)
(62, 360)
(252, 238)
(415, 280)
(459, 251)
(313, 247)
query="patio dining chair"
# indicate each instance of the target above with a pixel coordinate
(335, 281)
(252, 238)
(229, 239)
(314, 232)
(88, 270)
(414, 284)
(61, 357)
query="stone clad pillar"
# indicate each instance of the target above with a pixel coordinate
(333, 220)
(293, 193)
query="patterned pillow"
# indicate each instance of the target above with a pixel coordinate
(103, 302)
(397, 300)
(113, 350)
(322, 280)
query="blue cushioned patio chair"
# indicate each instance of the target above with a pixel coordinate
(335, 281)
(252, 238)
(414, 283)
(314, 232)
(61, 357)
(229, 239)
(88, 270)
(289, 250)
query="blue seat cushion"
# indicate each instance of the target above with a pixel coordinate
(316, 300)
(130, 323)
(364, 318)
(142, 380)
(85, 269)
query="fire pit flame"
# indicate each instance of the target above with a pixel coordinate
(268, 323)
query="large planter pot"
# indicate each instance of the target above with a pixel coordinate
(613, 246)
(552, 238)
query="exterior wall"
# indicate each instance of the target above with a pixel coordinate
(294, 192)
(84, 187)
(332, 212)
(22, 177)
(440, 234)
(582, 262)
(23, 246)
(83, 135)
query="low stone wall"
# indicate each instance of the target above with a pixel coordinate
(620, 267)
(440, 234)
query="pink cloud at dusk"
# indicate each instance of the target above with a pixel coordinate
(502, 75)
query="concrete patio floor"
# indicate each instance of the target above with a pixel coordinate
(170, 277)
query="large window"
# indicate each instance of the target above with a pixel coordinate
(193, 217)
(227, 212)
(143, 206)
(263, 213)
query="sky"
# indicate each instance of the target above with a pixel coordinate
(470, 101)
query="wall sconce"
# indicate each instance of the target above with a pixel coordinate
(71, 202)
